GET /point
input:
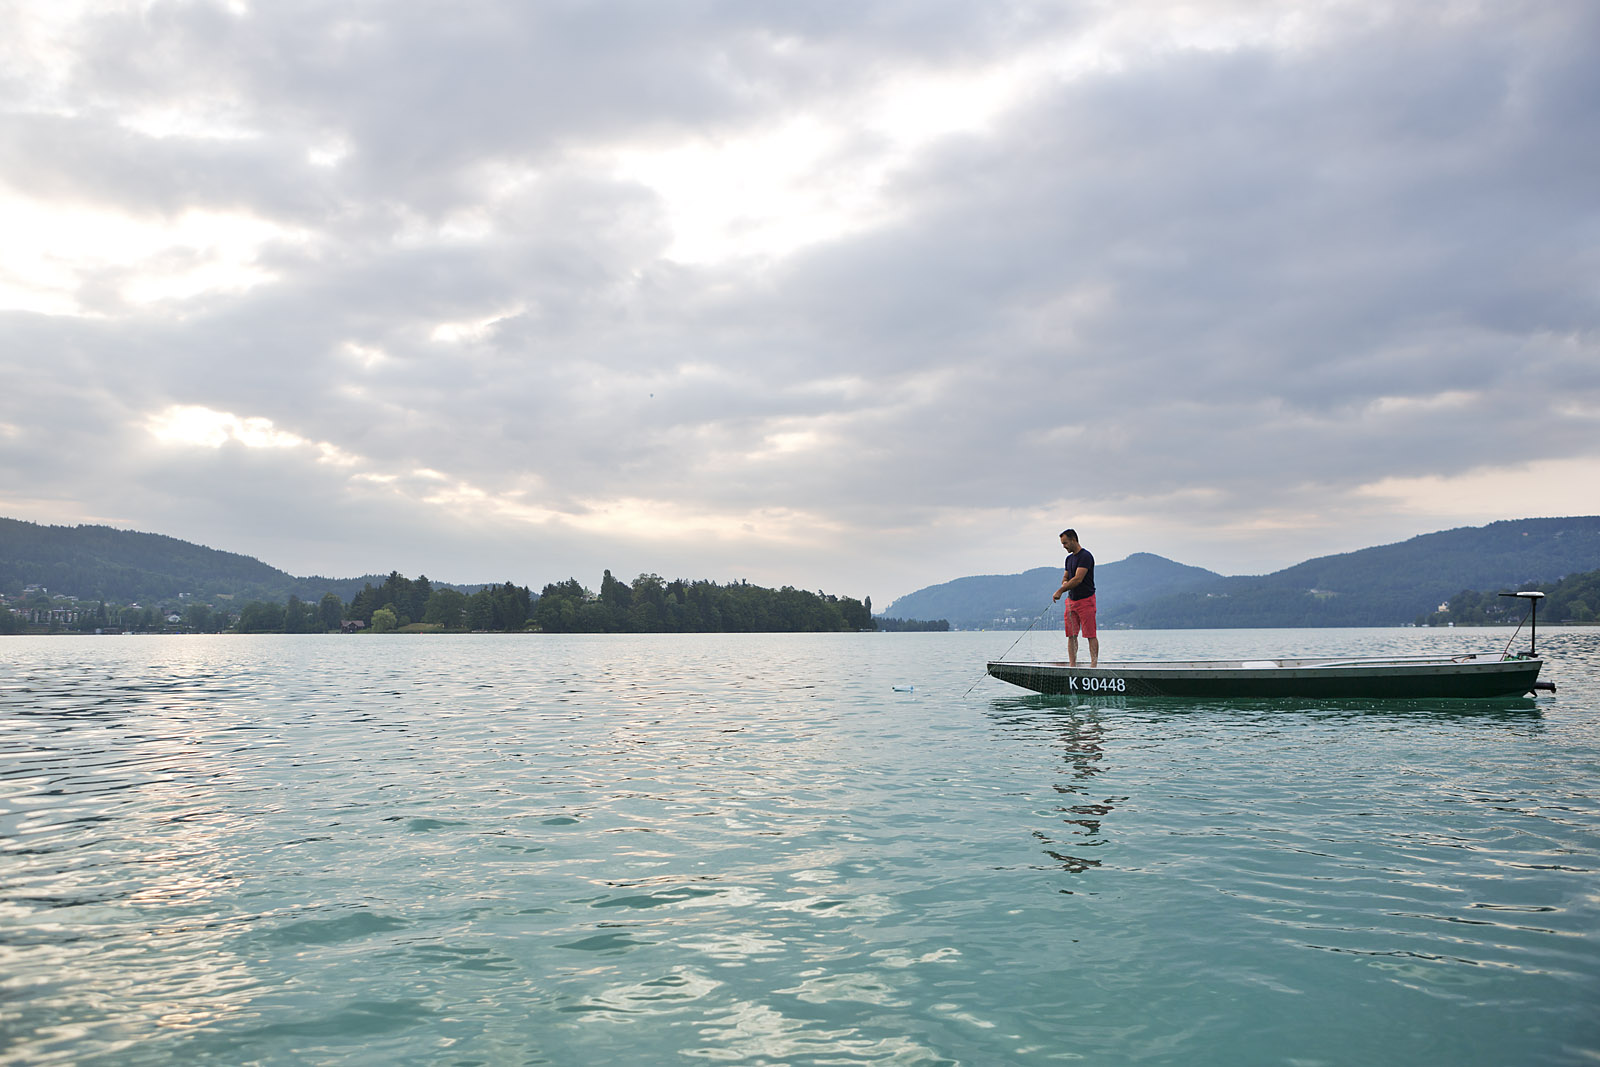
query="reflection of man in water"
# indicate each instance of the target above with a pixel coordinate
(1084, 805)
(1078, 583)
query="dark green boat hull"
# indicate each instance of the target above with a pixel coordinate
(1464, 677)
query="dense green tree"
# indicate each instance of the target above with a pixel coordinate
(364, 604)
(855, 614)
(330, 611)
(558, 607)
(615, 598)
(260, 617)
(299, 617)
(197, 617)
(398, 594)
(447, 608)
(421, 593)
(648, 613)
(480, 611)
(512, 605)
(385, 621)
(1573, 599)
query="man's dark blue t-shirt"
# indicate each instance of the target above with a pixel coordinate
(1085, 589)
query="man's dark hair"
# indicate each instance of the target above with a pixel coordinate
(1070, 532)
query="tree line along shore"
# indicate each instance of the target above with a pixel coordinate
(648, 604)
(1572, 601)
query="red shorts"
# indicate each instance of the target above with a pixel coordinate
(1079, 617)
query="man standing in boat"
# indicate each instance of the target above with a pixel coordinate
(1078, 583)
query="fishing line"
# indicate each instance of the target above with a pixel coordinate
(1513, 637)
(1007, 652)
(1518, 630)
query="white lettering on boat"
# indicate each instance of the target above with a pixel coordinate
(1091, 684)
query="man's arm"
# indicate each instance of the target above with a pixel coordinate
(1070, 580)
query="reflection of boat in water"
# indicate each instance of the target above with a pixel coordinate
(1475, 675)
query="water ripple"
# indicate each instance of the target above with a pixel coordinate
(753, 850)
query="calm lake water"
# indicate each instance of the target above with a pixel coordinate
(753, 849)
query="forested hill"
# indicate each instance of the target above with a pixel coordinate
(1574, 599)
(123, 566)
(1007, 601)
(1387, 585)
(94, 577)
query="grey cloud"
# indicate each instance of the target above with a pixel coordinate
(1206, 269)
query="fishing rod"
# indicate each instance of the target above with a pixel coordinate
(1014, 644)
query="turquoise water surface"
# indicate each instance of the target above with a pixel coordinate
(755, 849)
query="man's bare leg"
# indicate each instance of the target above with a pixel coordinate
(1072, 651)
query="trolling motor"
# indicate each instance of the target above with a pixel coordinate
(1532, 597)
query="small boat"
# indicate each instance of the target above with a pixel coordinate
(1409, 677)
(1475, 675)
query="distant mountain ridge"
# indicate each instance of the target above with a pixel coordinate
(1386, 585)
(104, 563)
(1005, 601)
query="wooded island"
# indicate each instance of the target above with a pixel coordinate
(649, 604)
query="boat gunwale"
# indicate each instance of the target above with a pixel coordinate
(1466, 664)
(1467, 676)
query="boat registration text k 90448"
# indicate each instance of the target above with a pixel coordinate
(1094, 684)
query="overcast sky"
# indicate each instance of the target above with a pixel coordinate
(857, 295)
